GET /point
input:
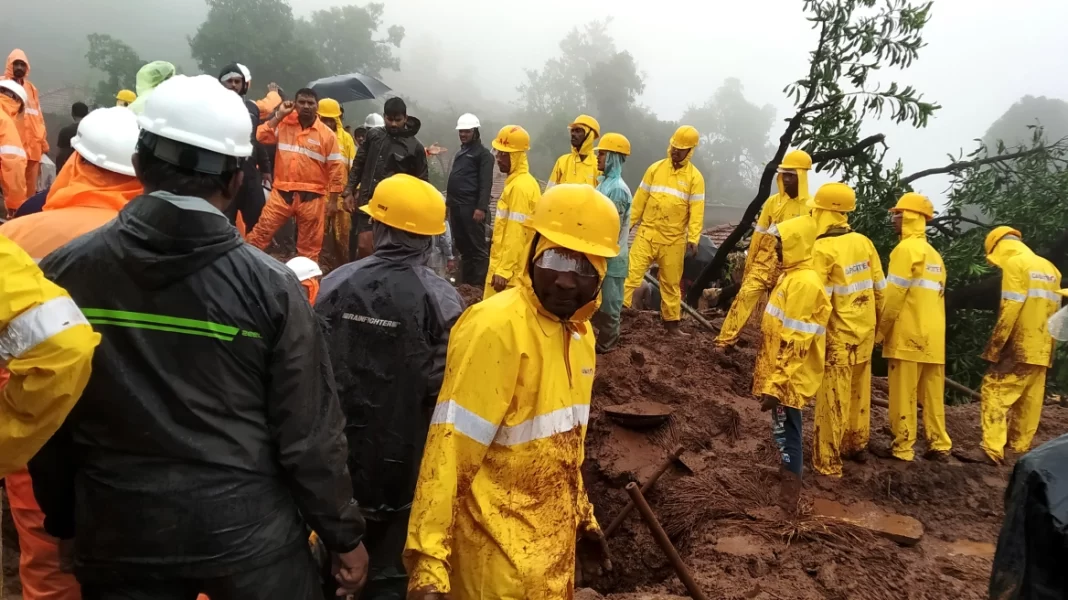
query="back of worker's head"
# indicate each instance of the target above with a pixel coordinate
(195, 135)
(78, 110)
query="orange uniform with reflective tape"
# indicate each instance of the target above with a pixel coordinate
(12, 156)
(32, 124)
(307, 159)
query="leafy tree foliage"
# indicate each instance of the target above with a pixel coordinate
(119, 63)
(343, 36)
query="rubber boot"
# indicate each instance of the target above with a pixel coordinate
(674, 328)
(789, 491)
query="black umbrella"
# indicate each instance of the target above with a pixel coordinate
(348, 88)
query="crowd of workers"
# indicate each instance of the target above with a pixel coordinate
(199, 419)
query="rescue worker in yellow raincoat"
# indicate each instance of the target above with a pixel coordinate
(338, 221)
(500, 498)
(852, 275)
(46, 349)
(669, 210)
(521, 193)
(1020, 349)
(789, 368)
(761, 267)
(912, 329)
(579, 165)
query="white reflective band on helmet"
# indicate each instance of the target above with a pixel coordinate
(566, 261)
(794, 324)
(304, 151)
(13, 150)
(37, 324)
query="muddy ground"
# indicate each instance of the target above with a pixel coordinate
(721, 516)
(719, 511)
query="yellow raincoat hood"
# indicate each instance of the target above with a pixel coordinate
(587, 145)
(1007, 249)
(913, 225)
(798, 237)
(520, 164)
(827, 220)
(802, 183)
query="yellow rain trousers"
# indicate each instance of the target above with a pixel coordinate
(338, 226)
(913, 332)
(1020, 349)
(761, 263)
(46, 350)
(510, 236)
(791, 360)
(500, 498)
(670, 207)
(572, 168)
(852, 275)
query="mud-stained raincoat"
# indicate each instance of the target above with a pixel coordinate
(1020, 349)
(761, 263)
(669, 209)
(913, 333)
(148, 79)
(790, 364)
(32, 124)
(852, 274)
(572, 168)
(47, 347)
(12, 156)
(500, 498)
(510, 237)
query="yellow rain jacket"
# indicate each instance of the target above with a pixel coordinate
(571, 168)
(1029, 297)
(510, 237)
(1020, 349)
(849, 266)
(790, 364)
(46, 347)
(852, 275)
(670, 207)
(761, 263)
(500, 498)
(338, 226)
(913, 325)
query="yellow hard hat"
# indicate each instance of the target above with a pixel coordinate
(329, 108)
(409, 204)
(916, 203)
(579, 218)
(838, 197)
(126, 96)
(614, 142)
(798, 159)
(997, 234)
(685, 137)
(589, 122)
(512, 138)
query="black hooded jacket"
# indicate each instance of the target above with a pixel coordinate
(471, 178)
(209, 436)
(383, 154)
(388, 320)
(250, 198)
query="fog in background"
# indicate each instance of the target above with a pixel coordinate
(981, 56)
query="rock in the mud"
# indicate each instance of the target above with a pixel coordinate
(587, 594)
(899, 528)
(827, 576)
(758, 568)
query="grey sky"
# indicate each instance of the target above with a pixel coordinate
(982, 55)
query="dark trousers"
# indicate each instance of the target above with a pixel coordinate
(296, 577)
(786, 432)
(469, 238)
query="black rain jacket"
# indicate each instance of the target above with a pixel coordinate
(383, 154)
(388, 319)
(209, 436)
(471, 178)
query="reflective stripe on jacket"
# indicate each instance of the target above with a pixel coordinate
(306, 159)
(670, 203)
(913, 325)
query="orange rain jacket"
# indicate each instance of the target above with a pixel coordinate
(267, 104)
(32, 126)
(307, 160)
(12, 155)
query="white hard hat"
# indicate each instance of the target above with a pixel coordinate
(107, 138)
(304, 267)
(374, 120)
(467, 121)
(15, 87)
(199, 112)
(244, 72)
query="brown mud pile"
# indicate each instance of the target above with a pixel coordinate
(721, 514)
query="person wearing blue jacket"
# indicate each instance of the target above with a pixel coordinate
(612, 150)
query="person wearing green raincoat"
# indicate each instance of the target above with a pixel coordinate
(148, 78)
(612, 150)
